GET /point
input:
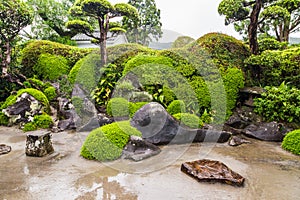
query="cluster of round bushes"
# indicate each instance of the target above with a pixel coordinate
(107, 142)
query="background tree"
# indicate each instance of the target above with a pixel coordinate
(14, 16)
(268, 17)
(182, 41)
(102, 12)
(148, 26)
(49, 20)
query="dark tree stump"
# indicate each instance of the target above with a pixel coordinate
(38, 144)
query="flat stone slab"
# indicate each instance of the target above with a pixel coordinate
(4, 149)
(212, 171)
(39, 144)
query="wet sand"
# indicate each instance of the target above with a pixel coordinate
(270, 172)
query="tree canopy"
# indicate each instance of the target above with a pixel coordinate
(96, 14)
(147, 27)
(14, 16)
(270, 17)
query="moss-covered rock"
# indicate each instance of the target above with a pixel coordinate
(107, 142)
(50, 93)
(176, 106)
(38, 95)
(188, 119)
(291, 142)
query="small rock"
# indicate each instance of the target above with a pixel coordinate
(4, 149)
(212, 171)
(138, 149)
(236, 141)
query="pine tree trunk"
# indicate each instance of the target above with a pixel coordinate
(252, 29)
(103, 36)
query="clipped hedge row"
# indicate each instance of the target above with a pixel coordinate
(107, 142)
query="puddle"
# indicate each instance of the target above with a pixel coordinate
(270, 172)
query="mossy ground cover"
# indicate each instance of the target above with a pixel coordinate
(107, 142)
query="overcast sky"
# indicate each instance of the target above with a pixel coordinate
(193, 18)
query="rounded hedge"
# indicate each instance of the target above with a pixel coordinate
(118, 107)
(33, 50)
(50, 93)
(176, 106)
(51, 67)
(107, 142)
(188, 119)
(182, 41)
(291, 142)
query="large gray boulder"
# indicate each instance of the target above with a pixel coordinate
(159, 127)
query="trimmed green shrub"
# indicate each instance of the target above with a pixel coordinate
(3, 119)
(86, 72)
(38, 95)
(107, 142)
(35, 48)
(225, 50)
(43, 121)
(142, 59)
(279, 103)
(50, 93)
(291, 142)
(118, 107)
(271, 68)
(176, 106)
(78, 104)
(51, 67)
(29, 127)
(188, 119)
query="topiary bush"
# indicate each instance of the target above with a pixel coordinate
(107, 142)
(279, 103)
(291, 142)
(176, 106)
(182, 41)
(188, 119)
(29, 127)
(50, 93)
(118, 107)
(134, 107)
(43, 121)
(38, 95)
(271, 68)
(51, 67)
(271, 44)
(33, 50)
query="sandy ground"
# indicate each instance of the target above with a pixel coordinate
(270, 172)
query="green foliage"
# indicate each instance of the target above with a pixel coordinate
(143, 59)
(42, 121)
(38, 95)
(34, 49)
(271, 44)
(51, 67)
(279, 103)
(146, 26)
(182, 41)
(50, 93)
(78, 104)
(86, 72)
(291, 142)
(118, 107)
(271, 68)
(176, 106)
(29, 127)
(3, 119)
(225, 50)
(106, 143)
(188, 119)
(134, 107)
